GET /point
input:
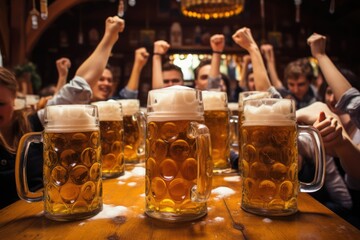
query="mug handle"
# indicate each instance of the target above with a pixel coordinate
(202, 190)
(141, 120)
(22, 186)
(319, 154)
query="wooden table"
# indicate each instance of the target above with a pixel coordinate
(123, 218)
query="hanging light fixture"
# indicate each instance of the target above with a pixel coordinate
(211, 9)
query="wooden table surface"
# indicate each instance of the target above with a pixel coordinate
(123, 217)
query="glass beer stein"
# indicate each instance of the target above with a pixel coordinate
(72, 163)
(134, 131)
(179, 167)
(112, 138)
(269, 161)
(242, 97)
(216, 114)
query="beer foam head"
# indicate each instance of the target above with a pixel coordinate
(252, 95)
(175, 101)
(269, 111)
(109, 110)
(214, 100)
(71, 117)
(129, 106)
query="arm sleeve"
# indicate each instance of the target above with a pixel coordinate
(350, 103)
(77, 91)
(126, 93)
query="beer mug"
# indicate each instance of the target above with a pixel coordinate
(134, 131)
(269, 161)
(242, 97)
(216, 114)
(72, 163)
(112, 138)
(234, 126)
(179, 167)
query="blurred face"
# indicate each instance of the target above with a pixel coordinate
(103, 87)
(298, 87)
(330, 99)
(7, 101)
(201, 82)
(251, 82)
(171, 78)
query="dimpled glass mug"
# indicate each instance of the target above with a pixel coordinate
(112, 138)
(216, 114)
(179, 167)
(270, 157)
(134, 130)
(72, 163)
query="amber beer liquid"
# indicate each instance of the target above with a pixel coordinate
(216, 114)
(72, 173)
(134, 131)
(72, 163)
(112, 138)
(269, 160)
(178, 156)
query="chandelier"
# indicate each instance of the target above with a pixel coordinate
(207, 9)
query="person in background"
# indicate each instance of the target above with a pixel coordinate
(247, 81)
(103, 89)
(207, 73)
(244, 39)
(13, 124)
(348, 97)
(164, 75)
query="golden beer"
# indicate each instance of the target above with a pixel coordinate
(171, 170)
(219, 125)
(179, 165)
(216, 115)
(269, 168)
(72, 174)
(269, 160)
(132, 139)
(112, 148)
(134, 131)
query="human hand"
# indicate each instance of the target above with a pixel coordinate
(141, 56)
(268, 52)
(244, 38)
(217, 42)
(161, 47)
(331, 132)
(114, 26)
(317, 44)
(63, 65)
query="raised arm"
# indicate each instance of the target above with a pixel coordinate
(338, 143)
(246, 60)
(62, 65)
(141, 57)
(217, 43)
(92, 68)
(332, 75)
(244, 39)
(268, 52)
(160, 49)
